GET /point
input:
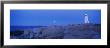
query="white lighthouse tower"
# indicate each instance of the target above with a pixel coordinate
(86, 19)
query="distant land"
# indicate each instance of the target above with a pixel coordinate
(14, 28)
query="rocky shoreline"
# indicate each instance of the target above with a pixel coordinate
(85, 31)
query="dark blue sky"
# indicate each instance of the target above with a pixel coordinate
(47, 17)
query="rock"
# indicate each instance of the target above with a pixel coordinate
(53, 32)
(77, 31)
(28, 34)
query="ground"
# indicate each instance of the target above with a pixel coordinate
(71, 31)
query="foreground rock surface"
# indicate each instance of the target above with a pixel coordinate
(61, 32)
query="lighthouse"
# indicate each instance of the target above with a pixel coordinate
(86, 22)
(86, 19)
